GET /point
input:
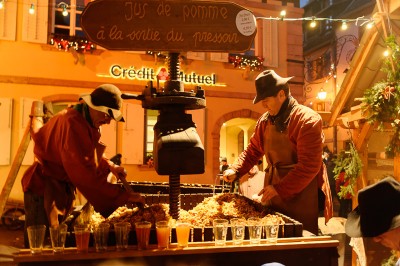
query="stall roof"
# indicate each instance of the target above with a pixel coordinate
(364, 70)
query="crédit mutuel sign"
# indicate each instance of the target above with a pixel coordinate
(173, 25)
(161, 74)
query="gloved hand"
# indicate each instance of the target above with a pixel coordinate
(267, 194)
(229, 175)
(117, 170)
(136, 198)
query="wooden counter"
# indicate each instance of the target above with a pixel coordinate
(288, 251)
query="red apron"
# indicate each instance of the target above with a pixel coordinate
(281, 159)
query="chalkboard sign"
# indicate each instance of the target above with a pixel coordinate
(176, 26)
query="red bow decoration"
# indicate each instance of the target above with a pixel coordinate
(341, 181)
(388, 91)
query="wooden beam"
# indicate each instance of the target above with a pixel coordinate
(56, 98)
(351, 119)
(365, 133)
(210, 92)
(396, 163)
(385, 25)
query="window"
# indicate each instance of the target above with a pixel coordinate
(150, 120)
(8, 18)
(35, 24)
(252, 50)
(67, 18)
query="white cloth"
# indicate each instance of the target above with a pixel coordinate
(358, 246)
(251, 185)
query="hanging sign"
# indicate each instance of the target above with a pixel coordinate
(176, 26)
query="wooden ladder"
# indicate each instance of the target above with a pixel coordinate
(35, 122)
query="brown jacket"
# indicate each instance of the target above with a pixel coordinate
(307, 138)
(65, 148)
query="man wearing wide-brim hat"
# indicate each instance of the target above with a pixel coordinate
(290, 137)
(70, 156)
(377, 214)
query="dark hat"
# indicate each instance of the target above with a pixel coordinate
(378, 210)
(107, 99)
(268, 84)
(223, 159)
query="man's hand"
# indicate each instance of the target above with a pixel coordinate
(267, 194)
(118, 170)
(229, 175)
(136, 198)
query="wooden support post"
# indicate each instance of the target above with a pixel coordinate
(396, 163)
(35, 117)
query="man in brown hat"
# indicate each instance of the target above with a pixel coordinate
(69, 156)
(377, 214)
(291, 138)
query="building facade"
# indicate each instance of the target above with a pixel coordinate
(45, 57)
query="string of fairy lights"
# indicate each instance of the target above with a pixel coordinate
(313, 21)
(240, 61)
(360, 21)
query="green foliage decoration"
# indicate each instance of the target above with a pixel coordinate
(347, 169)
(391, 261)
(382, 100)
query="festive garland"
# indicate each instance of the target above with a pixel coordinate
(382, 101)
(81, 45)
(255, 63)
(347, 169)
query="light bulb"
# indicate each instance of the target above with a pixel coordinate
(65, 11)
(344, 25)
(32, 9)
(283, 14)
(370, 25)
(313, 24)
(322, 94)
(386, 53)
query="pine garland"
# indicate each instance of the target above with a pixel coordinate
(349, 163)
(382, 100)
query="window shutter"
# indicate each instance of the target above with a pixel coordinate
(269, 41)
(133, 134)
(196, 55)
(5, 130)
(219, 57)
(34, 26)
(8, 20)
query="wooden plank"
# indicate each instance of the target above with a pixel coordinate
(361, 140)
(194, 248)
(17, 162)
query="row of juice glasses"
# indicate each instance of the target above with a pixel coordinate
(163, 230)
(142, 229)
(255, 226)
